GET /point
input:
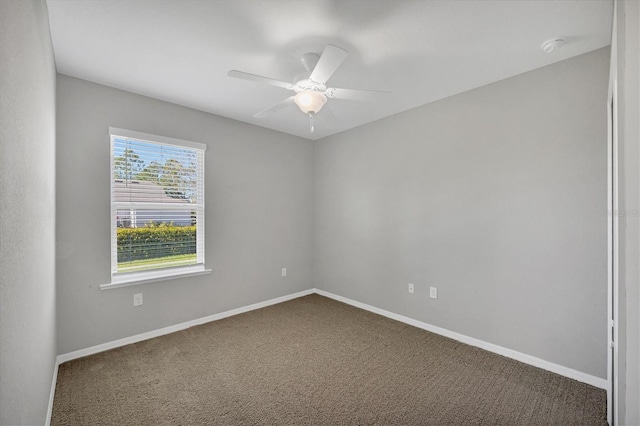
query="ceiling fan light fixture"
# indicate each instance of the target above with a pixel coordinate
(310, 101)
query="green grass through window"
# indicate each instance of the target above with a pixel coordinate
(158, 262)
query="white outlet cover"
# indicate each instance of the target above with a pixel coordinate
(137, 299)
(284, 272)
(411, 288)
(433, 292)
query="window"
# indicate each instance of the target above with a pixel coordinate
(157, 207)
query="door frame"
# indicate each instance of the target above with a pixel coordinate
(613, 262)
(612, 231)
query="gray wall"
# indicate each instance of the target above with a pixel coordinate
(628, 69)
(496, 196)
(258, 215)
(27, 196)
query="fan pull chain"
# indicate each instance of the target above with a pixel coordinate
(311, 122)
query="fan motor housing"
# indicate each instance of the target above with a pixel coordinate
(302, 84)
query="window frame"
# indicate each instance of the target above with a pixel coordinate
(122, 279)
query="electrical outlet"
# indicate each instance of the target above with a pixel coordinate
(411, 288)
(433, 292)
(284, 272)
(137, 299)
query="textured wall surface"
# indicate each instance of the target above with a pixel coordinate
(258, 215)
(496, 196)
(27, 212)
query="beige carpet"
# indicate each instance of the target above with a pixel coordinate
(314, 361)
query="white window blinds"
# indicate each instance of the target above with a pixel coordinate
(157, 203)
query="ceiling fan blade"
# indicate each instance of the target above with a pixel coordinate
(354, 94)
(327, 116)
(331, 59)
(259, 78)
(273, 108)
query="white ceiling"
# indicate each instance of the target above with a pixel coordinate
(181, 50)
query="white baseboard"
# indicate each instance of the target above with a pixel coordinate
(177, 327)
(54, 380)
(509, 353)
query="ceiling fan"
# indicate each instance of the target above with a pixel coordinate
(311, 87)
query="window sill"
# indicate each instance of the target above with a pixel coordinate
(136, 278)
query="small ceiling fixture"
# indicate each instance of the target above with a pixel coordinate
(552, 44)
(311, 87)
